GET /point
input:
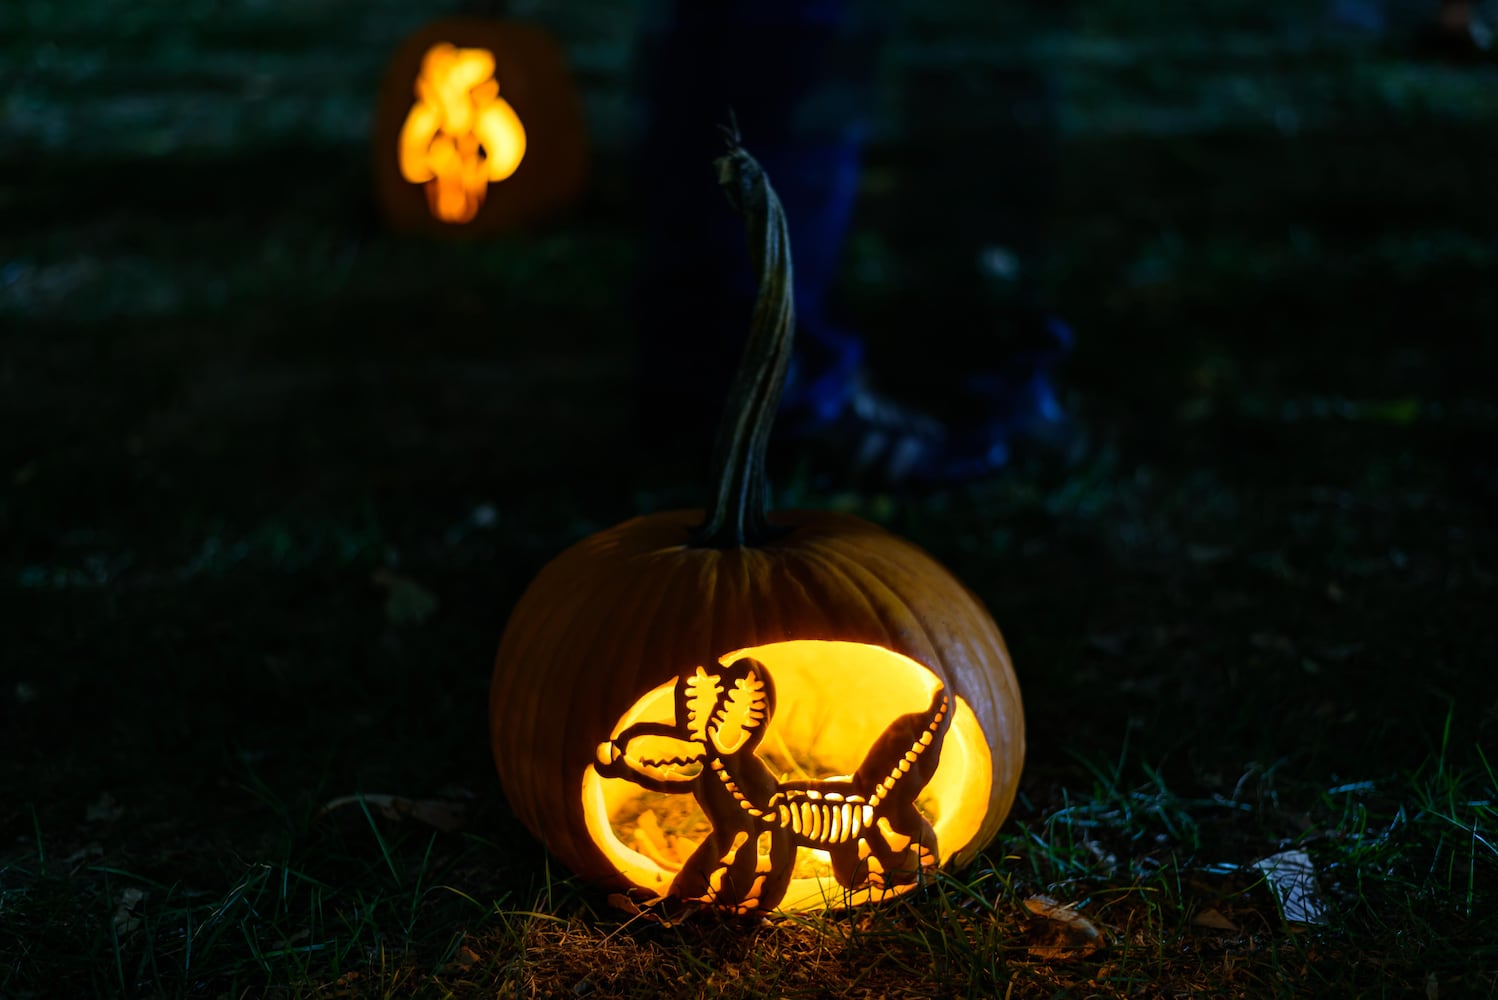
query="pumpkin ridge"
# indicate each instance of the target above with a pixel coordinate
(858, 566)
(510, 740)
(834, 563)
(731, 615)
(920, 568)
(582, 641)
(820, 587)
(778, 578)
(635, 606)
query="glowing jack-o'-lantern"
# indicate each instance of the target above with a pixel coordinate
(460, 136)
(477, 130)
(754, 712)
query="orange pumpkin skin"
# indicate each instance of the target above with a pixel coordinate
(534, 80)
(625, 610)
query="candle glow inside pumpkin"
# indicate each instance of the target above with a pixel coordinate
(836, 707)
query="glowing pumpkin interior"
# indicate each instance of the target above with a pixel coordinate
(460, 136)
(833, 702)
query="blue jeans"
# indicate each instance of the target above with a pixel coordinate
(764, 63)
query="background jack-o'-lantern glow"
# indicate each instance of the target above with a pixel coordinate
(747, 711)
(460, 136)
(478, 130)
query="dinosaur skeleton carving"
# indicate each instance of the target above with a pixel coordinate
(866, 822)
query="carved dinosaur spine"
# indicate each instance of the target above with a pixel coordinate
(813, 816)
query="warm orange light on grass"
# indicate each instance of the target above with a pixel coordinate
(460, 136)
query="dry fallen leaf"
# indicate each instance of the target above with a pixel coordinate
(619, 901)
(464, 958)
(443, 814)
(406, 601)
(125, 918)
(89, 850)
(1060, 933)
(1214, 920)
(104, 809)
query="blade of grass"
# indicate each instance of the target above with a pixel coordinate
(380, 840)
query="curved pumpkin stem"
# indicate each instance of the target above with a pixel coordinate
(738, 513)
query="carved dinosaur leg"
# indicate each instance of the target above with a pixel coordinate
(929, 857)
(776, 869)
(880, 850)
(702, 876)
(919, 850)
(739, 885)
(850, 870)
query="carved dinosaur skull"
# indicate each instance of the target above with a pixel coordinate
(653, 755)
(743, 701)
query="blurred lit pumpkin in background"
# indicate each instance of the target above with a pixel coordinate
(477, 130)
(752, 712)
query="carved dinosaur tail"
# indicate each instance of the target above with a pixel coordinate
(911, 743)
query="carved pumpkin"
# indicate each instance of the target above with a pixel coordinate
(751, 712)
(477, 130)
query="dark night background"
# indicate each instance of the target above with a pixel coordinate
(271, 477)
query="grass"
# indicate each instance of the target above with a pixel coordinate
(272, 479)
(387, 914)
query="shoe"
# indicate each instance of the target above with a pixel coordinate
(1015, 396)
(872, 440)
(1471, 43)
(989, 419)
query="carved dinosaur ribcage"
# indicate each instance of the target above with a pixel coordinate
(815, 815)
(834, 811)
(812, 815)
(822, 818)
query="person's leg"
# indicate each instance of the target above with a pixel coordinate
(1455, 32)
(1455, 15)
(779, 67)
(764, 66)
